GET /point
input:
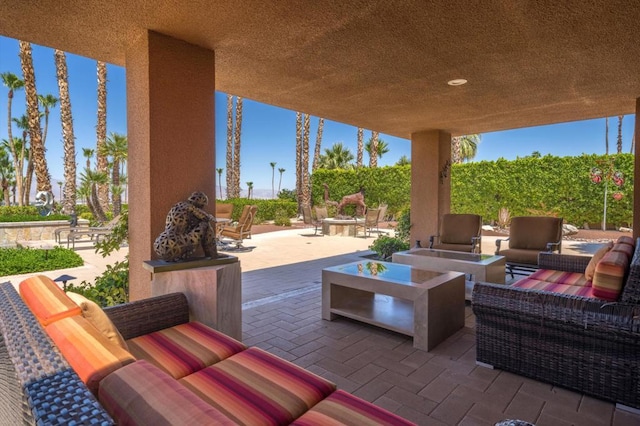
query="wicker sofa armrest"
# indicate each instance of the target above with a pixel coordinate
(607, 320)
(146, 316)
(563, 262)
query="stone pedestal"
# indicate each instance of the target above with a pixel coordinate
(214, 291)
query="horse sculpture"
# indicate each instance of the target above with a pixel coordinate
(356, 199)
(327, 201)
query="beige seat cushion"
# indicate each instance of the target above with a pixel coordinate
(591, 267)
(96, 316)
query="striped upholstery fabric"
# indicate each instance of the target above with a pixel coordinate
(576, 290)
(185, 348)
(609, 276)
(91, 355)
(254, 388)
(341, 408)
(560, 277)
(624, 248)
(46, 300)
(626, 240)
(142, 394)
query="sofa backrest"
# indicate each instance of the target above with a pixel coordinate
(534, 232)
(631, 290)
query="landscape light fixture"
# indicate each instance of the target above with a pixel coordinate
(457, 82)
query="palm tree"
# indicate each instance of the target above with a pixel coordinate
(403, 161)
(101, 131)
(464, 148)
(13, 83)
(316, 152)
(6, 175)
(606, 135)
(382, 149)
(306, 194)
(43, 179)
(373, 149)
(360, 147)
(220, 170)
(229, 146)
(89, 181)
(338, 157)
(280, 182)
(273, 173)
(47, 102)
(60, 189)
(298, 155)
(249, 190)
(69, 140)
(619, 146)
(116, 148)
(88, 154)
(21, 153)
(236, 146)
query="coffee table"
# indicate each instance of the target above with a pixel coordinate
(481, 267)
(427, 305)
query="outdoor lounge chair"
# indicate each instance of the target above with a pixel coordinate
(370, 222)
(224, 210)
(241, 229)
(458, 232)
(308, 219)
(528, 236)
(92, 231)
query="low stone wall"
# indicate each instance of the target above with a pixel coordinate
(12, 232)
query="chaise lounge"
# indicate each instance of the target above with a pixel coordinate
(148, 364)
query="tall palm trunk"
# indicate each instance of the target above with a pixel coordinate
(456, 150)
(43, 179)
(316, 152)
(306, 193)
(115, 182)
(620, 117)
(360, 147)
(606, 135)
(373, 157)
(66, 119)
(14, 83)
(299, 159)
(236, 146)
(101, 132)
(229, 147)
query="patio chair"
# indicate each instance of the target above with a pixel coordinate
(240, 230)
(92, 231)
(370, 222)
(224, 210)
(528, 236)
(459, 232)
(308, 219)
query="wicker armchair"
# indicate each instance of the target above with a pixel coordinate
(584, 344)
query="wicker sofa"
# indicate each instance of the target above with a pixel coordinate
(57, 370)
(581, 343)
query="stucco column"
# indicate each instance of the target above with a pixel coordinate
(636, 177)
(430, 183)
(170, 120)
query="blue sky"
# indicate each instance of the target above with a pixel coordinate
(268, 133)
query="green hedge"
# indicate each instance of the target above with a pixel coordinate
(267, 209)
(26, 260)
(26, 214)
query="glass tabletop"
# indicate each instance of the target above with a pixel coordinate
(396, 272)
(453, 255)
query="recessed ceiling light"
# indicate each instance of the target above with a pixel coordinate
(457, 82)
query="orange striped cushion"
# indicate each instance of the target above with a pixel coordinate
(625, 248)
(626, 240)
(91, 355)
(609, 276)
(342, 408)
(599, 254)
(254, 387)
(142, 394)
(560, 277)
(576, 290)
(185, 348)
(46, 300)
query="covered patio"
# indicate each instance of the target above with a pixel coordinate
(378, 65)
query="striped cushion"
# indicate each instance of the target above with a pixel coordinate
(624, 248)
(254, 387)
(87, 350)
(342, 408)
(626, 240)
(142, 394)
(185, 348)
(609, 276)
(560, 277)
(46, 300)
(576, 290)
(599, 254)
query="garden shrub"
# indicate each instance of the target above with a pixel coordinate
(15, 261)
(385, 246)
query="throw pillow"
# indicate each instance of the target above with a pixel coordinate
(591, 267)
(96, 316)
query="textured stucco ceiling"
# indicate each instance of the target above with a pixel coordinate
(380, 64)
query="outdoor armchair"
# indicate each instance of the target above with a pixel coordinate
(224, 210)
(528, 236)
(370, 222)
(458, 232)
(308, 219)
(241, 229)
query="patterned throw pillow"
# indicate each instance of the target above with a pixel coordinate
(591, 267)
